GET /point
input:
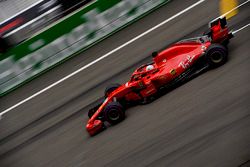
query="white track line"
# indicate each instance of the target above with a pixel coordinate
(231, 10)
(113, 51)
(234, 32)
(102, 57)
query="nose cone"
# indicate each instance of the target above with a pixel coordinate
(94, 127)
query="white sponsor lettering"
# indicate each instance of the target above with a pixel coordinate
(186, 63)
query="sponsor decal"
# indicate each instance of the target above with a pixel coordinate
(173, 71)
(186, 63)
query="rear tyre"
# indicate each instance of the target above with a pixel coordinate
(114, 113)
(110, 89)
(216, 55)
(225, 43)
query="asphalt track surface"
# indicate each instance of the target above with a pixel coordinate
(205, 122)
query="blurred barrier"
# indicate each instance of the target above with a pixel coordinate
(36, 17)
(32, 19)
(66, 38)
(227, 5)
(28, 29)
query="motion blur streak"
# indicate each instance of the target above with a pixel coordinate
(233, 9)
(227, 5)
(100, 58)
(204, 122)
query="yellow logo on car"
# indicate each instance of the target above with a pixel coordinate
(173, 72)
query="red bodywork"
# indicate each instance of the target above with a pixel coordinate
(168, 65)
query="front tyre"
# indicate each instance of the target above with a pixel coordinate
(216, 55)
(114, 113)
(109, 89)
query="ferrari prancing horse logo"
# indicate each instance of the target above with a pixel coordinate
(173, 71)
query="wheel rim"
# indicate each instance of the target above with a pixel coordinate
(216, 57)
(113, 115)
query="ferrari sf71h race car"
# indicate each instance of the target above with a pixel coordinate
(176, 64)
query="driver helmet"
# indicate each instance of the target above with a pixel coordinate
(149, 67)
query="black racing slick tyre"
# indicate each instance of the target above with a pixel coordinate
(216, 55)
(109, 89)
(114, 113)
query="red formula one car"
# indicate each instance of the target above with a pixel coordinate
(174, 65)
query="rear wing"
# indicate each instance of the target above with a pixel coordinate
(221, 21)
(219, 32)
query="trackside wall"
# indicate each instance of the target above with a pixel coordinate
(68, 37)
